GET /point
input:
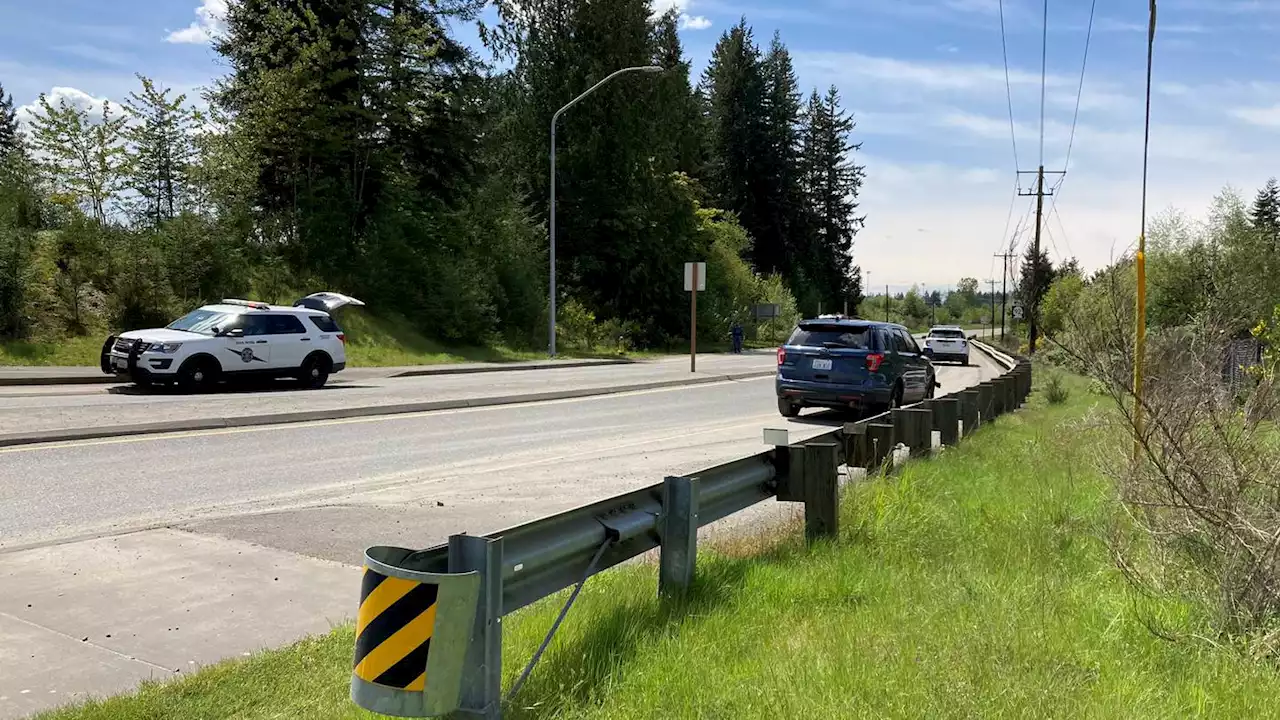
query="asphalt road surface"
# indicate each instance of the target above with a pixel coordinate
(37, 408)
(145, 557)
(56, 491)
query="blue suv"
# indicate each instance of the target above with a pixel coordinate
(851, 364)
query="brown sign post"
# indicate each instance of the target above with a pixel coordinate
(695, 279)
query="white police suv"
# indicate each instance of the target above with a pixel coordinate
(947, 342)
(235, 338)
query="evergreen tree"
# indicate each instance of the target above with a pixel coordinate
(1037, 274)
(295, 91)
(784, 235)
(160, 150)
(1265, 214)
(734, 88)
(624, 218)
(831, 182)
(10, 139)
(683, 131)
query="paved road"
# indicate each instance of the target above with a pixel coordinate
(135, 558)
(32, 409)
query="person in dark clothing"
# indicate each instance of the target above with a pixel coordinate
(736, 333)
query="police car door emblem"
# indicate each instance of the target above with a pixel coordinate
(246, 355)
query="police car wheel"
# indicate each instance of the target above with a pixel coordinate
(197, 375)
(314, 372)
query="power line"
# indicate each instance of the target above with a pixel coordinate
(1008, 90)
(1084, 63)
(1044, 64)
(1075, 118)
(1053, 210)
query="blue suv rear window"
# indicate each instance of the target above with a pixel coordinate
(856, 338)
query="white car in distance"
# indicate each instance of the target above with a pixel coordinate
(947, 342)
(235, 339)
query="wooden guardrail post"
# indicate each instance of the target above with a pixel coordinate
(856, 447)
(914, 428)
(998, 396)
(946, 419)
(969, 402)
(880, 441)
(985, 392)
(821, 490)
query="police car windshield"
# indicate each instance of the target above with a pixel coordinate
(201, 321)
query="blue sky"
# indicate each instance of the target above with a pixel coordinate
(924, 79)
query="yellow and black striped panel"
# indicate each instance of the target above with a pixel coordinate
(393, 630)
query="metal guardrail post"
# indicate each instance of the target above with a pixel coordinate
(1013, 391)
(879, 444)
(821, 490)
(482, 670)
(969, 401)
(679, 533)
(913, 427)
(946, 419)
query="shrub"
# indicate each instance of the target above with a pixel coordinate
(1055, 391)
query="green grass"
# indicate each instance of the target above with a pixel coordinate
(71, 351)
(974, 585)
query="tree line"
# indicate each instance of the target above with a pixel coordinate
(357, 145)
(1223, 270)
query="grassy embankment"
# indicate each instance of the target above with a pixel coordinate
(372, 341)
(974, 585)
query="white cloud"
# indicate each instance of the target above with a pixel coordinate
(687, 21)
(70, 96)
(1263, 117)
(927, 75)
(211, 22)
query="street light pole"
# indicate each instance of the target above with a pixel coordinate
(551, 347)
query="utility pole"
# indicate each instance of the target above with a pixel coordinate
(886, 302)
(1034, 301)
(992, 284)
(1004, 288)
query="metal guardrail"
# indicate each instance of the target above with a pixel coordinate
(528, 562)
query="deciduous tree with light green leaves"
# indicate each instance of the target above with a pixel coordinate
(84, 158)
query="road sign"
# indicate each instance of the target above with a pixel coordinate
(689, 276)
(1017, 312)
(766, 311)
